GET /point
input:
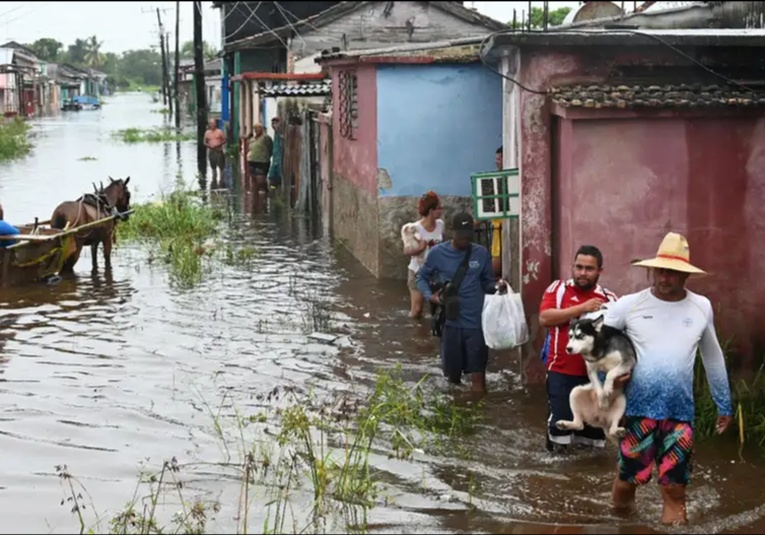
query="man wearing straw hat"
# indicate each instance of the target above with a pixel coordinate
(667, 324)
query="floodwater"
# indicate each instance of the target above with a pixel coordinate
(110, 372)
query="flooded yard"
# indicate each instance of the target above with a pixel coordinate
(119, 371)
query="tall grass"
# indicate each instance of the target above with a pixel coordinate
(315, 474)
(152, 135)
(184, 234)
(748, 398)
(14, 140)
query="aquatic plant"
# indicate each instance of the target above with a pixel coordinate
(321, 453)
(14, 138)
(152, 135)
(186, 234)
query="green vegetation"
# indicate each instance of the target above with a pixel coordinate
(164, 111)
(183, 233)
(87, 159)
(14, 139)
(555, 17)
(748, 405)
(312, 474)
(152, 135)
(127, 71)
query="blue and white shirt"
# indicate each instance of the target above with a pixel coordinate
(666, 336)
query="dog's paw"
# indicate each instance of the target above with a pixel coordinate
(562, 425)
(619, 432)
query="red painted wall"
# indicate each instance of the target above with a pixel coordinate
(698, 176)
(628, 181)
(356, 159)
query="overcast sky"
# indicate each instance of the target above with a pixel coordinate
(130, 25)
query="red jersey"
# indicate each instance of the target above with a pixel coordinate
(560, 295)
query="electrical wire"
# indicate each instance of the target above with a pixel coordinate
(284, 16)
(655, 37)
(248, 19)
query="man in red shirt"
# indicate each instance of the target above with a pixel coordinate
(562, 302)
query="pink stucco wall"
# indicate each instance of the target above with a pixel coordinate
(700, 176)
(622, 181)
(355, 160)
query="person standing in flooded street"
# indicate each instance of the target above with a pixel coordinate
(214, 140)
(259, 158)
(668, 324)
(465, 268)
(275, 171)
(563, 301)
(431, 230)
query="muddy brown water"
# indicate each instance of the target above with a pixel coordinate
(113, 371)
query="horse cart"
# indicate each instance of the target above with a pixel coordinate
(39, 251)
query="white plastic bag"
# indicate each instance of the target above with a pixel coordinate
(503, 320)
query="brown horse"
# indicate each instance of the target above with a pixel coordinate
(114, 198)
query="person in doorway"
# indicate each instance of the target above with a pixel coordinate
(259, 157)
(496, 228)
(214, 140)
(563, 301)
(463, 348)
(275, 171)
(430, 227)
(667, 323)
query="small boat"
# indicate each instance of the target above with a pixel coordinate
(38, 252)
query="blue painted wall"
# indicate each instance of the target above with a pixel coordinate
(436, 125)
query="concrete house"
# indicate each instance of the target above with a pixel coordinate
(623, 135)
(404, 120)
(352, 26)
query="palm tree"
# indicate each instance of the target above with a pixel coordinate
(93, 56)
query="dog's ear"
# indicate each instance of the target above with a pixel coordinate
(572, 322)
(598, 323)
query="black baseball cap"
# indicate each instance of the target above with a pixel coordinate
(463, 225)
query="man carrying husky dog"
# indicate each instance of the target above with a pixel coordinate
(667, 324)
(562, 302)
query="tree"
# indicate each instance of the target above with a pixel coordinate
(77, 52)
(47, 49)
(93, 57)
(554, 18)
(187, 50)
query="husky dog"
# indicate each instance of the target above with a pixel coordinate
(604, 349)
(411, 238)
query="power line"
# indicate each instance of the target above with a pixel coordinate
(252, 13)
(615, 30)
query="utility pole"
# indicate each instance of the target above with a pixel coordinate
(167, 74)
(177, 63)
(164, 65)
(199, 85)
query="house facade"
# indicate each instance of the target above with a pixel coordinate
(404, 122)
(351, 26)
(620, 137)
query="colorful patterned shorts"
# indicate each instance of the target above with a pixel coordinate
(667, 443)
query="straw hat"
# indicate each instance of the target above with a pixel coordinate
(673, 254)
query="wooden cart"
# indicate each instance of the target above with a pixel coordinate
(38, 252)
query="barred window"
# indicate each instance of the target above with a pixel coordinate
(348, 103)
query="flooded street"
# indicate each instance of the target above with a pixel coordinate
(110, 372)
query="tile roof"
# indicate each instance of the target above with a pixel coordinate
(655, 96)
(302, 90)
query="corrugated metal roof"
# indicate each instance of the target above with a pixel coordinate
(302, 90)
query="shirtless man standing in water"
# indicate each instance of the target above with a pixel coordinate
(215, 138)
